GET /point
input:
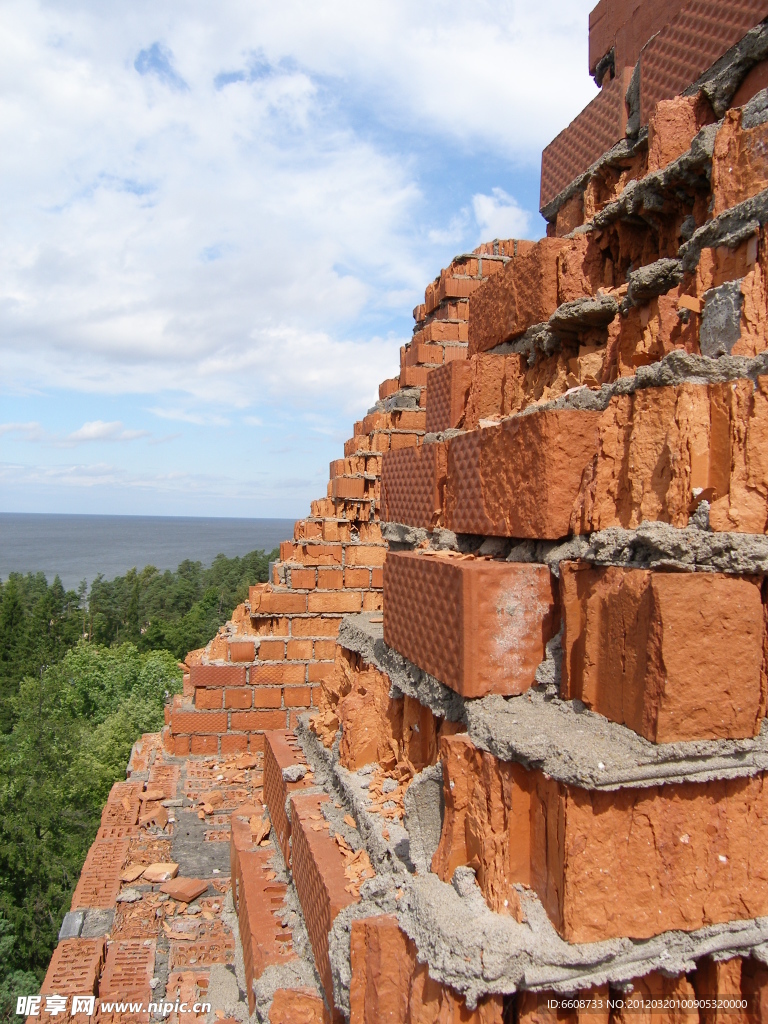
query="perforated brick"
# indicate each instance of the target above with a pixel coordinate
(74, 968)
(479, 626)
(128, 970)
(99, 881)
(412, 482)
(266, 942)
(281, 750)
(318, 874)
(123, 804)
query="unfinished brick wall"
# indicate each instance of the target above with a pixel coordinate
(529, 622)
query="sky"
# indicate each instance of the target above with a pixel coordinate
(216, 219)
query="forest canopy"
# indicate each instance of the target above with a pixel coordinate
(82, 675)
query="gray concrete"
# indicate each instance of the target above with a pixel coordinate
(654, 279)
(71, 925)
(720, 327)
(424, 810)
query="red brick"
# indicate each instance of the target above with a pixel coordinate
(129, 968)
(233, 744)
(521, 478)
(364, 554)
(479, 626)
(388, 387)
(267, 697)
(321, 554)
(315, 627)
(242, 650)
(271, 650)
(296, 696)
(180, 745)
(348, 488)
(211, 700)
(262, 675)
(242, 697)
(524, 293)
(412, 485)
(675, 656)
(299, 650)
(372, 601)
(389, 984)
(739, 162)
(205, 745)
(319, 670)
(398, 441)
(335, 601)
(418, 354)
(281, 750)
(318, 874)
(279, 602)
(303, 579)
(447, 394)
(191, 722)
(99, 881)
(74, 968)
(360, 578)
(256, 743)
(258, 900)
(606, 863)
(255, 721)
(325, 649)
(330, 579)
(217, 675)
(693, 40)
(414, 376)
(294, 1005)
(377, 578)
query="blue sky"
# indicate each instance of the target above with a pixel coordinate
(218, 218)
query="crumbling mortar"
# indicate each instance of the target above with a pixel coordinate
(561, 738)
(478, 952)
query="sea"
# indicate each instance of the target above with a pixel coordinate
(79, 547)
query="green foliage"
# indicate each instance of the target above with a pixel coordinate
(80, 681)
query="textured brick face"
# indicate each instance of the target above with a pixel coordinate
(522, 478)
(412, 482)
(447, 392)
(692, 41)
(479, 626)
(598, 127)
(128, 971)
(674, 656)
(522, 294)
(217, 675)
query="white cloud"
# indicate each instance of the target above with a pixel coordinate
(95, 430)
(98, 430)
(186, 184)
(500, 216)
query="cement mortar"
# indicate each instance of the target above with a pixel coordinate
(561, 738)
(478, 952)
(720, 82)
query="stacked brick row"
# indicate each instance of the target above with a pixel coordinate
(642, 54)
(603, 390)
(266, 666)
